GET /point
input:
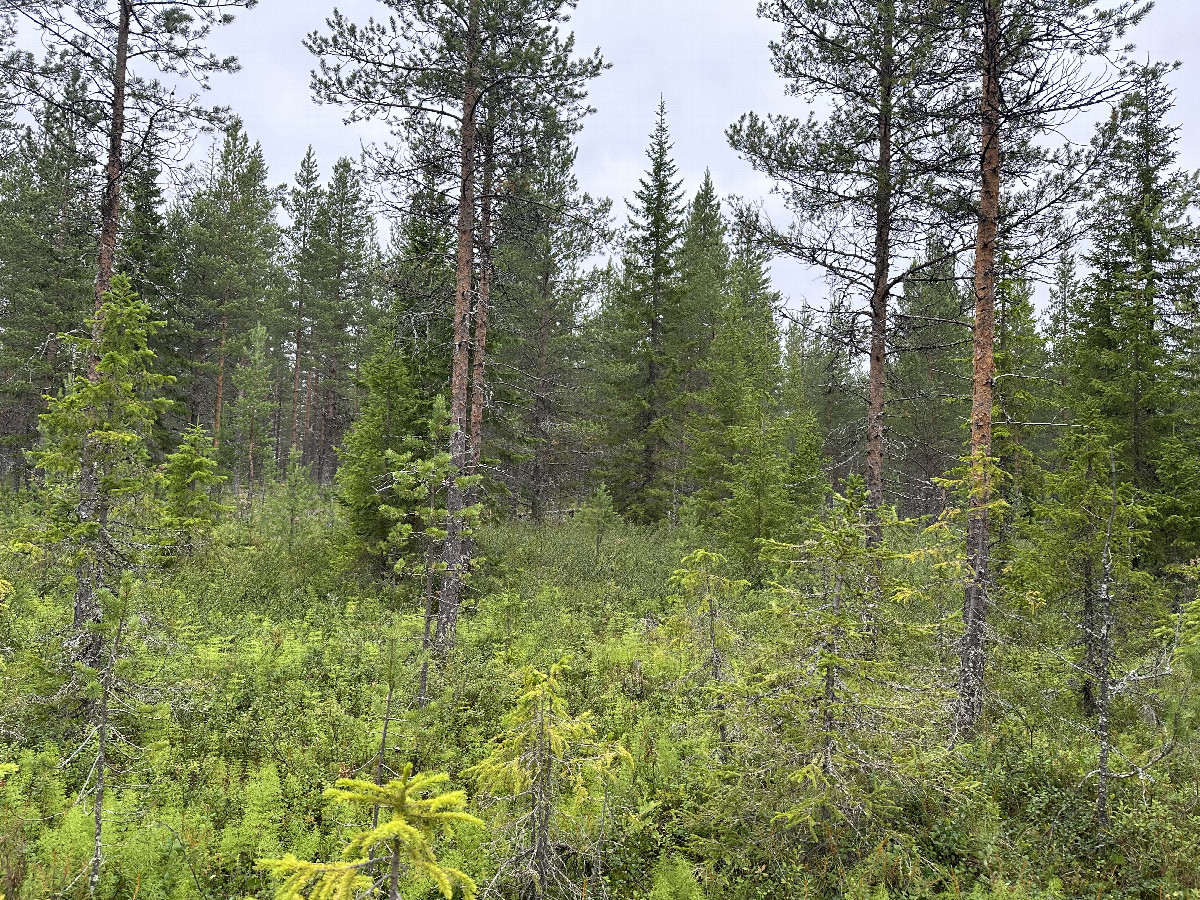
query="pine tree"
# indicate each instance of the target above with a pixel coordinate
(1031, 62)
(341, 308)
(47, 241)
(858, 178)
(460, 64)
(228, 241)
(303, 205)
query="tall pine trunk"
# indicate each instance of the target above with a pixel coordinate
(877, 381)
(482, 304)
(460, 372)
(973, 651)
(541, 405)
(220, 382)
(296, 375)
(110, 204)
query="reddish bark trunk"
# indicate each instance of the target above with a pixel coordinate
(452, 580)
(973, 652)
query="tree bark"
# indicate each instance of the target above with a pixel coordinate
(877, 380)
(541, 405)
(309, 391)
(482, 301)
(973, 651)
(460, 386)
(220, 382)
(110, 204)
(295, 433)
(1104, 663)
(102, 764)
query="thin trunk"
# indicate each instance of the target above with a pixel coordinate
(715, 666)
(828, 712)
(295, 434)
(110, 205)
(1104, 662)
(387, 720)
(430, 615)
(877, 381)
(482, 301)
(102, 764)
(460, 387)
(326, 404)
(1091, 639)
(973, 652)
(86, 641)
(220, 382)
(92, 506)
(309, 390)
(541, 408)
(394, 875)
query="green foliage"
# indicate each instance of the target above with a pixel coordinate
(674, 879)
(404, 838)
(106, 419)
(189, 478)
(393, 420)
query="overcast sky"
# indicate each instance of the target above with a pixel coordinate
(707, 58)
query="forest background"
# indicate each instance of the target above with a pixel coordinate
(428, 525)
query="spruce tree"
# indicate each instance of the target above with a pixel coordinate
(547, 229)
(47, 241)
(250, 442)
(1128, 340)
(550, 766)
(754, 463)
(703, 265)
(642, 317)
(95, 461)
(393, 420)
(929, 381)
